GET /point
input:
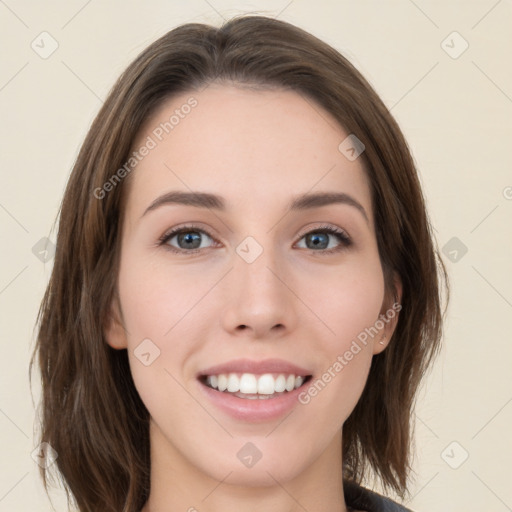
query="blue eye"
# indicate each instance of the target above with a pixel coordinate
(189, 240)
(319, 239)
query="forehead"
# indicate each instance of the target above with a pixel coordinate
(253, 147)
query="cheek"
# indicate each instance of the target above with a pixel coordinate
(157, 297)
(349, 302)
(158, 307)
(163, 306)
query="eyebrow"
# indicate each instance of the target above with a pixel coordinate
(318, 199)
(299, 203)
(197, 199)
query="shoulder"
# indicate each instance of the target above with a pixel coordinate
(360, 498)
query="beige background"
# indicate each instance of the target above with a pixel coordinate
(456, 115)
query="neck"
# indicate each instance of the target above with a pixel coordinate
(178, 484)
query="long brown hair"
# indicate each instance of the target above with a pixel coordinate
(91, 413)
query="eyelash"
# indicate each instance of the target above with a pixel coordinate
(341, 235)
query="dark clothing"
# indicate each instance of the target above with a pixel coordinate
(360, 498)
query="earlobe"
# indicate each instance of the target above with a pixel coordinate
(114, 331)
(379, 347)
(389, 316)
(380, 344)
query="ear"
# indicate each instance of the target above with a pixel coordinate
(114, 331)
(388, 316)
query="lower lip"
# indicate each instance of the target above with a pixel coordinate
(245, 409)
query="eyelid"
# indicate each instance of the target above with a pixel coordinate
(323, 227)
(344, 239)
(170, 233)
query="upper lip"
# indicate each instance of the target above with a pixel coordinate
(257, 367)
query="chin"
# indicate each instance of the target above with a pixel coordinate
(260, 475)
(248, 466)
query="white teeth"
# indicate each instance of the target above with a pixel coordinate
(280, 384)
(233, 383)
(248, 383)
(222, 382)
(251, 384)
(266, 385)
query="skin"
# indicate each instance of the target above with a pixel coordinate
(257, 149)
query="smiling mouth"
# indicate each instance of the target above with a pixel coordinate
(254, 386)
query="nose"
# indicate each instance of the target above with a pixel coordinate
(259, 299)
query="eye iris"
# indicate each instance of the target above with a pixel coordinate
(316, 242)
(190, 237)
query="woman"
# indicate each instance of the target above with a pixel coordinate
(246, 291)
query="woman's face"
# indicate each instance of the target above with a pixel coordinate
(253, 276)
